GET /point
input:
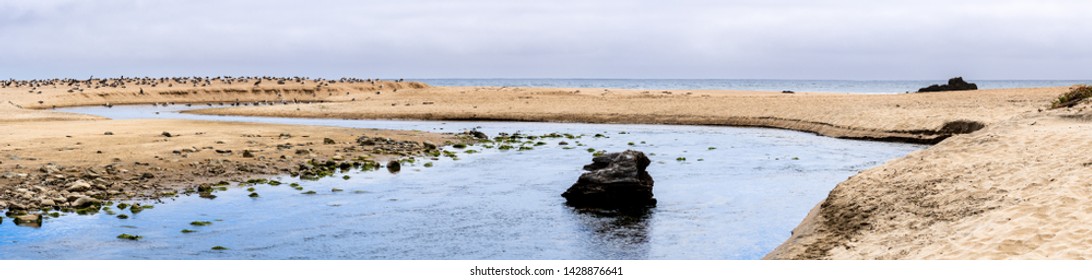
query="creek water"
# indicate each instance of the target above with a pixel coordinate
(737, 195)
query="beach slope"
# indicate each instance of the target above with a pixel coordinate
(1018, 189)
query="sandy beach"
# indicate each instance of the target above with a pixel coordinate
(1006, 179)
(1018, 189)
(914, 118)
(52, 159)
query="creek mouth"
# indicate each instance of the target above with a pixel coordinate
(737, 194)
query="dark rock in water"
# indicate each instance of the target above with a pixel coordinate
(956, 83)
(393, 166)
(477, 134)
(613, 181)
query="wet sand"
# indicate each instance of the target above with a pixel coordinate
(52, 159)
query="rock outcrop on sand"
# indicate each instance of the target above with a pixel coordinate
(956, 83)
(613, 181)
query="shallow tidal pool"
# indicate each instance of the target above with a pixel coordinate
(737, 195)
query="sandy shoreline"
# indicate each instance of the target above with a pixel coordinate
(1018, 189)
(913, 118)
(1008, 190)
(54, 160)
(1007, 179)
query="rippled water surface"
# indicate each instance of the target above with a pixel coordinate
(737, 195)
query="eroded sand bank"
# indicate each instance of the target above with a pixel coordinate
(1019, 189)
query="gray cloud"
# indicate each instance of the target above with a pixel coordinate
(850, 39)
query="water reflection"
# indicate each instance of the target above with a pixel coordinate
(618, 234)
(493, 204)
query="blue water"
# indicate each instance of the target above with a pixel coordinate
(737, 195)
(835, 86)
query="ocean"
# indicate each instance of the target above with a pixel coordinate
(834, 86)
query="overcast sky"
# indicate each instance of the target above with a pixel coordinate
(850, 39)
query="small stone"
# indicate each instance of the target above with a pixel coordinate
(49, 169)
(29, 220)
(328, 141)
(78, 186)
(394, 166)
(247, 154)
(108, 133)
(167, 134)
(127, 236)
(477, 134)
(84, 201)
